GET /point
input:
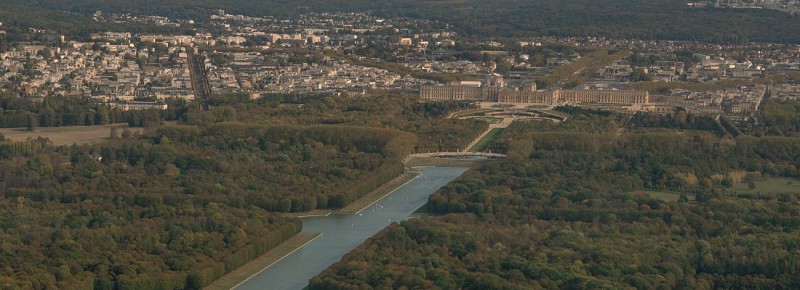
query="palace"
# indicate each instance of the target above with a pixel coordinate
(493, 89)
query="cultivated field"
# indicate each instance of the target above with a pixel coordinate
(68, 135)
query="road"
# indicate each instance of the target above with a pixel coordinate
(199, 78)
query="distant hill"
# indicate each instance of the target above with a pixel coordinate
(664, 19)
(74, 23)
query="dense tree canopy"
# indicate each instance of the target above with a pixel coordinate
(563, 212)
(401, 112)
(182, 204)
(778, 118)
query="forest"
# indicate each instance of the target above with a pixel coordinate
(779, 117)
(670, 19)
(566, 210)
(57, 111)
(178, 208)
(381, 110)
(19, 17)
(187, 201)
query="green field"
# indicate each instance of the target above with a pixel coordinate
(769, 185)
(666, 195)
(487, 140)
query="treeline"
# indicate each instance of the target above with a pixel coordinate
(19, 17)
(349, 161)
(629, 19)
(10, 148)
(16, 112)
(382, 110)
(678, 120)
(560, 212)
(597, 120)
(777, 117)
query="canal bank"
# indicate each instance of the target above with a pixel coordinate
(340, 233)
(263, 262)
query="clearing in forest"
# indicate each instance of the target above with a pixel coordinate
(68, 135)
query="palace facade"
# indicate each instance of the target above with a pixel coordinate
(493, 90)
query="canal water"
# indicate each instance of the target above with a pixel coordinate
(342, 233)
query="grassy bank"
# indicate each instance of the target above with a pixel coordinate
(378, 193)
(362, 202)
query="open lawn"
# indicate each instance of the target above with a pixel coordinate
(769, 185)
(666, 195)
(487, 140)
(68, 135)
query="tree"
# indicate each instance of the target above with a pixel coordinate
(102, 116)
(639, 75)
(727, 182)
(194, 281)
(33, 123)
